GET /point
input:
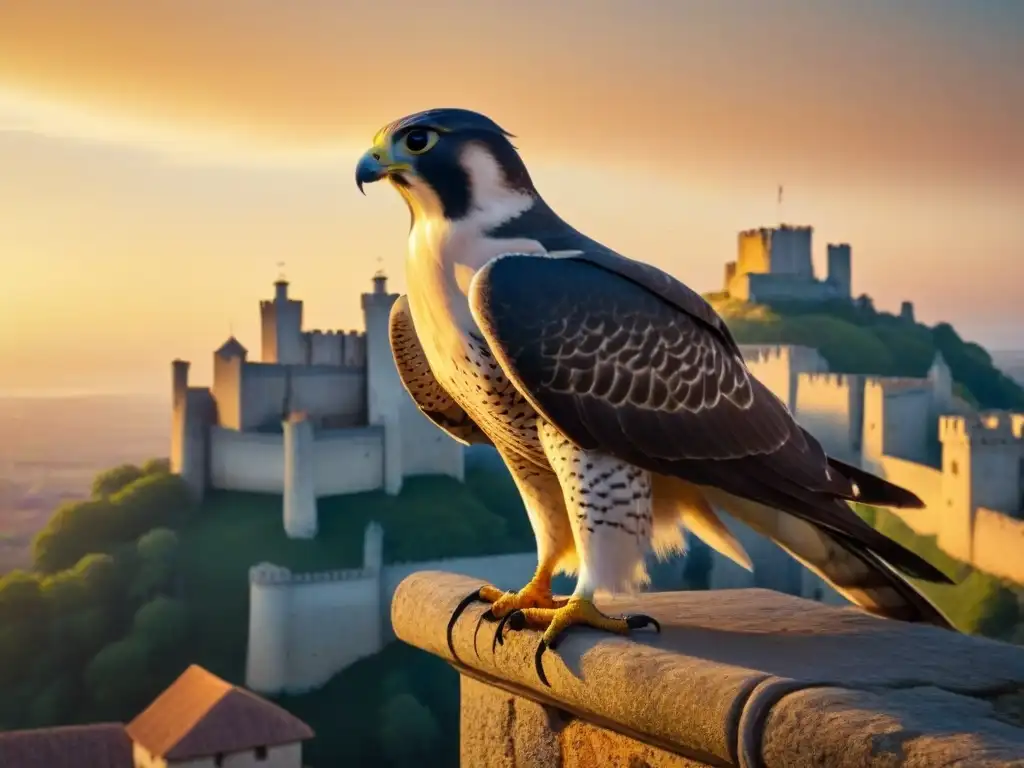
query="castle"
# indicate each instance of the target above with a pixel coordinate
(774, 264)
(967, 466)
(322, 413)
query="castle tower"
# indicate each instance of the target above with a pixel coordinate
(907, 312)
(300, 513)
(266, 663)
(384, 389)
(982, 466)
(840, 268)
(179, 398)
(191, 414)
(281, 328)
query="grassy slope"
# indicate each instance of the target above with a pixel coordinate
(977, 603)
(857, 340)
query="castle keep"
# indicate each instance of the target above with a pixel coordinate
(774, 264)
(322, 413)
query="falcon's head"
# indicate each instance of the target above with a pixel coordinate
(449, 162)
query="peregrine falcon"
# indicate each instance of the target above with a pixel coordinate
(617, 396)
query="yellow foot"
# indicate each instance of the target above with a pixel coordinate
(504, 604)
(576, 612)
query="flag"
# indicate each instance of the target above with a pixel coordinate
(780, 194)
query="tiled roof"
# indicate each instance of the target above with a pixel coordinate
(200, 715)
(104, 745)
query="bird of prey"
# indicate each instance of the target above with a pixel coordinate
(617, 396)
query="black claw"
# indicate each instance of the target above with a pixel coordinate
(470, 598)
(640, 621)
(514, 620)
(538, 664)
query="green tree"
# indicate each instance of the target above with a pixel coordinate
(99, 525)
(156, 556)
(110, 481)
(75, 530)
(162, 624)
(153, 501)
(53, 705)
(409, 734)
(21, 603)
(117, 678)
(156, 467)
(100, 577)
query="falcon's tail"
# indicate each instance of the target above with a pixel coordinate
(874, 490)
(856, 572)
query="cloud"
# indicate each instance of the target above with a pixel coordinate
(923, 93)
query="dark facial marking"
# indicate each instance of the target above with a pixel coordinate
(439, 166)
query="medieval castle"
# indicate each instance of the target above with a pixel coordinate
(323, 413)
(775, 264)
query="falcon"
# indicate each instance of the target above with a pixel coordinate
(616, 396)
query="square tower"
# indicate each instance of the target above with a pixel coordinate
(281, 328)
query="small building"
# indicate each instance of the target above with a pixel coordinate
(199, 721)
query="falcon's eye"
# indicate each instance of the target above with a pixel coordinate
(419, 140)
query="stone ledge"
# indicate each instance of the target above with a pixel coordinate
(747, 678)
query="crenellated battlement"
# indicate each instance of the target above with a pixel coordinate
(837, 381)
(767, 353)
(897, 385)
(988, 428)
(270, 575)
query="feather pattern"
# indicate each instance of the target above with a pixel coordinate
(419, 381)
(621, 368)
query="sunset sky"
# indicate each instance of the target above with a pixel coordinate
(158, 158)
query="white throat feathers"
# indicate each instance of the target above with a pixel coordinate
(444, 255)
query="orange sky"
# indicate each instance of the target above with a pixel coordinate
(159, 158)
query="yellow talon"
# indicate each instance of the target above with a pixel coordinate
(577, 611)
(535, 595)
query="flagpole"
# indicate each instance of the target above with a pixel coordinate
(778, 206)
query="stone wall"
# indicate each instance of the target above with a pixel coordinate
(304, 628)
(741, 678)
(830, 407)
(343, 461)
(998, 544)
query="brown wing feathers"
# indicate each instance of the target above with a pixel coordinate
(418, 379)
(642, 368)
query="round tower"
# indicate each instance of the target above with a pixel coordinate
(266, 664)
(179, 415)
(383, 387)
(300, 518)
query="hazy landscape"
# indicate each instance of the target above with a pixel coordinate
(52, 447)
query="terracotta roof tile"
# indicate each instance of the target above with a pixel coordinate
(201, 715)
(103, 745)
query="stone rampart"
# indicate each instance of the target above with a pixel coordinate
(741, 678)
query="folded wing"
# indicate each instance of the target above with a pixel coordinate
(624, 359)
(418, 379)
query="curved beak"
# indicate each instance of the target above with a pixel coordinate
(373, 166)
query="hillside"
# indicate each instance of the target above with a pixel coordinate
(856, 339)
(1010, 362)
